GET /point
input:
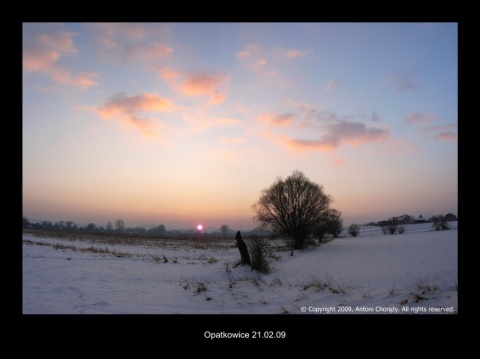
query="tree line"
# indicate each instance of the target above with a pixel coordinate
(294, 207)
(118, 226)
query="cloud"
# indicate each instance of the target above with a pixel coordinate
(113, 35)
(258, 65)
(254, 58)
(294, 53)
(128, 41)
(39, 60)
(446, 136)
(351, 133)
(60, 41)
(420, 118)
(154, 51)
(443, 132)
(44, 51)
(127, 108)
(403, 82)
(397, 146)
(249, 51)
(265, 62)
(356, 133)
(283, 119)
(196, 83)
(148, 53)
(331, 85)
(82, 81)
(323, 131)
(324, 145)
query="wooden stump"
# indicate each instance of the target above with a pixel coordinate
(242, 247)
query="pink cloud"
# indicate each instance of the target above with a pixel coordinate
(127, 41)
(196, 83)
(294, 53)
(155, 51)
(127, 108)
(420, 118)
(325, 145)
(397, 146)
(331, 85)
(84, 81)
(354, 134)
(443, 132)
(167, 74)
(447, 127)
(283, 119)
(253, 57)
(259, 60)
(147, 53)
(249, 51)
(113, 34)
(330, 131)
(61, 41)
(39, 60)
(258, 65)
(121, 103)
(447, 136)
(44, 54)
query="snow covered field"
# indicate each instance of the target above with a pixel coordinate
(411, 273)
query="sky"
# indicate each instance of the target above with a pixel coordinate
(186, 123)
(414, 273)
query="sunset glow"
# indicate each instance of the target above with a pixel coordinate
(166, 123)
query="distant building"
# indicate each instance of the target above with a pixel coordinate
(450, 217)
(404, 219)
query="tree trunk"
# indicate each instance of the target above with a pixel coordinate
(242, 247)
(299, 242)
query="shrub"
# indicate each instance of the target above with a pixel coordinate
(439, 223)
(392, 228)
(354, 230)
(259, 250)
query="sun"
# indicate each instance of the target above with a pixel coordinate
(199, 227)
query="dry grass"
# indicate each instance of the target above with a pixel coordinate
(327, 283)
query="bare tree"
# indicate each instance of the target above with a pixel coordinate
(224, 230)
(331, 222)
(291, 207)
(120, 225)
(354, 229)
(160, 230)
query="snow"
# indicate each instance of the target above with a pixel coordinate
(373, 274)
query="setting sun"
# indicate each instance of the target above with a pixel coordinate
(146, 123)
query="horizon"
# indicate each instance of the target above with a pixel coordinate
(207, 228)
(186, 123)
